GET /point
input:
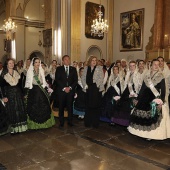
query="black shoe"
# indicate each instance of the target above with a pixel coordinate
(70, 124)
(61, 125)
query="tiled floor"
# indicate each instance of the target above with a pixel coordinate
(80, 148)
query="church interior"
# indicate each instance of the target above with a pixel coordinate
(50, 29)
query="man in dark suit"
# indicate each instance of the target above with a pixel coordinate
(66, 80)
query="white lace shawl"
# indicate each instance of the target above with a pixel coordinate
(111, 82)
(12, 79)
(30, 75)
(138, 79)
(98, 77)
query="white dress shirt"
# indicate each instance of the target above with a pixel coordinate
(65, 68)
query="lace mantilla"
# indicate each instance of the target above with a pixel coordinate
(12, 79)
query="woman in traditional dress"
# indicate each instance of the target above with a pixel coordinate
(47, 74)
(23, 74)
(150, 117)
(53, 98)
(92, 80)
(52, 70)
(79, 102)
(112, 95)
(37, 98)
(15, 105)
(123, 107)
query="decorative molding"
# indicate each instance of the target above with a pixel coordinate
(28, 23)
(19, 11)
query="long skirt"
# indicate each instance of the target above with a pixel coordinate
(146, 125)
(108, 105)
(16, 109)
(79, 103)
(38, 109)
(93, 106)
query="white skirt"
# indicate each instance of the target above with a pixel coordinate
(160, 133)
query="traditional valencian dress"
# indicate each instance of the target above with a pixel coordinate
(15, 105)
(147, 120)
(110, 98)
(123, 107)
(37, 100)
(79, 102)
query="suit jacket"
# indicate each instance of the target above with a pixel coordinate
(62, 80)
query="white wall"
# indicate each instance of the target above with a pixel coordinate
(34, 11)
(129, 5)
(87, 42)
(31, 41)
(27, 37)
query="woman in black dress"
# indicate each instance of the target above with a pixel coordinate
(79, 102)
(92, 80)
(15, 105)
(112, 95)
(123, 107)
(150, 117)
(47, 74)
(38, 104)
(23, 74)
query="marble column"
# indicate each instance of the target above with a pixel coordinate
(75, 29)
(110, 7)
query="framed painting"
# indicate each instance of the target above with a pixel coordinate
(131, 30)
(91, 13)
(47, 38)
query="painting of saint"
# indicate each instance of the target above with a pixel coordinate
(132, 30)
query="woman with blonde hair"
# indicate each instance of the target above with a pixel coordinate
(92, 80)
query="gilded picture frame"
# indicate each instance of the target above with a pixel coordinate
(131, 30)
(91, 13)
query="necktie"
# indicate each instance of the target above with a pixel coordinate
(67, 71)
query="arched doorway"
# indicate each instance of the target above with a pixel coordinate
(94, 50)
(38, 54)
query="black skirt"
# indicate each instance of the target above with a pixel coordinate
(38, 106)
(16, 109)
(93, 100)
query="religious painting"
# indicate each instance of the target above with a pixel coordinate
(131, 30)
(7, 45)
(47, 38)
(91, 13)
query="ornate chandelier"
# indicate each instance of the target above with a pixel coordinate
(99, 26)
(9, 28)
